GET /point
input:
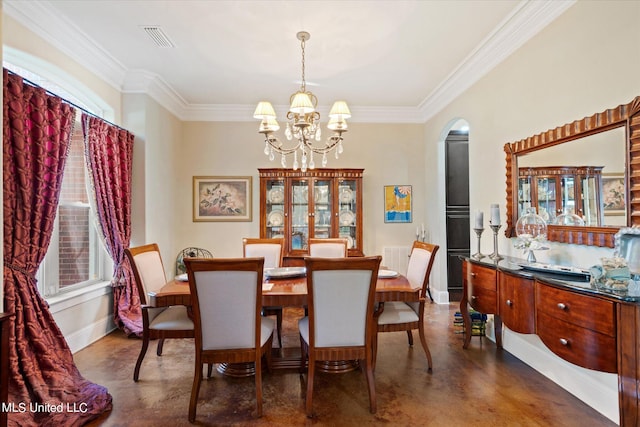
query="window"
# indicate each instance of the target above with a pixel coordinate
(76, 256)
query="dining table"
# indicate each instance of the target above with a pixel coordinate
(285, 292)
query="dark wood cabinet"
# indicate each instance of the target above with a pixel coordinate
(579, 328)
(516, 297)
(481, 288)
(319, 203)
(583, 326)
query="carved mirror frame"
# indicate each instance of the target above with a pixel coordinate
(627, 116)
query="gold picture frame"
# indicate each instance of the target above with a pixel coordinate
(613, 194)
(222, 198)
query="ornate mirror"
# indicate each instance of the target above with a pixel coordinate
(588, 170)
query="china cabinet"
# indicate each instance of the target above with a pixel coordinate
(556, 192)
(319, 203)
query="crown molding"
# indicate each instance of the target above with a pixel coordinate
(45, 21)
(521, 25)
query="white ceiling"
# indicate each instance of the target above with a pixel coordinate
(390, 60)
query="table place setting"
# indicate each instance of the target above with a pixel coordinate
(387, 274)
(283, 272)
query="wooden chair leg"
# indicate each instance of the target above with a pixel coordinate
(160, 345)
(209, 370)
(429, 293)
(143, 351)
(258, 364)
(370, 384)
(374, 349)
(195, 390)
(310, 376)
(279, 326)
(410, 337)
(423, 340)
(304, 353)
(267, 353)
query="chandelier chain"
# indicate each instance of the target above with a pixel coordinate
(304, 83)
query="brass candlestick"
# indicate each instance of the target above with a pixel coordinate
(495, 256)
(478, 255)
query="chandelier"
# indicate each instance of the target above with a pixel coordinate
(303, 126)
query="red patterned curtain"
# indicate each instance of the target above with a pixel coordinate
(36, 133)
(109, 155)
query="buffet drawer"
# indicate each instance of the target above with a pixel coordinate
(580, 346)
(481, 277)
(482, 288)
(583, 311)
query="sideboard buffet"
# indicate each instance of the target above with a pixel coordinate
(591, 328)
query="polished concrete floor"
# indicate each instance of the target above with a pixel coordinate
(480, 386)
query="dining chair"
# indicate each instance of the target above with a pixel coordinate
(341, 323)
(226, 296)
(271, 250)
(161, 322)
(328, 248)
(406, 316)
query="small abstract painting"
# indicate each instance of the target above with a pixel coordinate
(221, 198)
(397, 203)
(613, 194)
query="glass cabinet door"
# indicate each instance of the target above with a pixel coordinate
(590, 203)
(322, 208)
(547, 199)
(567, 184)
(275, 209)
(347, 193)
(299, 214)
(524, 194)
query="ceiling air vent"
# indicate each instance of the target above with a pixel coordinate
(158, 36)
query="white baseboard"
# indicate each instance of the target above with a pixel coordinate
(90, 333)
(597, 389)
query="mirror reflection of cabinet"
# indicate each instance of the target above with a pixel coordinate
(554, 191)
(624, 118)
(321, 203)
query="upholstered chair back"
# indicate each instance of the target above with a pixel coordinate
(229, 322)
(328, 248)
(269, 249)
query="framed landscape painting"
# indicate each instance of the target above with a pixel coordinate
(221, 198)
(613, 194)
(398, 201)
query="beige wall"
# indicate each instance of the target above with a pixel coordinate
(582, 63)
(157, 151)
(585, 61)
(390, 154)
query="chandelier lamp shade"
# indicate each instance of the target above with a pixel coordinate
(303, 126)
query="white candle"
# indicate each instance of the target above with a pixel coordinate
(495, 214)
(417, 233)
(479, 219)
(424, 235)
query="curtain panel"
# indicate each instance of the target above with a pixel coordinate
(36, 133)
(109, 157)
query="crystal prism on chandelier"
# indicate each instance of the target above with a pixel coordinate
(303, 126)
